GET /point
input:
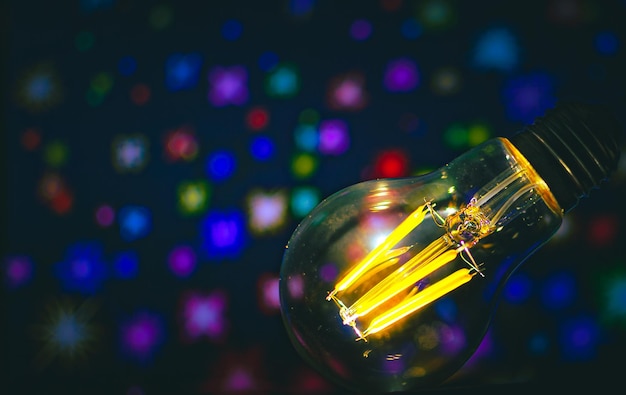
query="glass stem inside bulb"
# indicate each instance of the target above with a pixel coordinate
(400, 267)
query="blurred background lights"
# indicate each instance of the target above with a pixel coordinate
(304, 165)
(56, 153)
(130, 153)
(140, 94)
(257, 118)
(306, 137)
(446, 81)
(360, 29)
(220, 165)
(496, 49)
(580, 337)
(391, 163)
(18, 270)
(83, 268)
(606, 43)
(232, 30)
(410, 29)
(182, 71)
(31, 139)
(268, 60)
(262, 148)
(126, 265)
(518, 289)
(228, 86)
(266, 211)
(67, 333)
(182, 260)
(223, 234)
(269, 300)
(347, 92)
(100, 86)
(602, 230)
(539, 343)
(204, 316)
(54, 192)
(282, 81)
(303, 200)
(401, 75)
(176, 149)
(558, 291)
(127, 65)
(436, 14)
(135, 222)
(309, 116)
(333, 137)
(528, 96)
(612, 295)
(181, 144)
(141, 336)
(39, 88)
(105, 215)
(301, 8)
(193, 197)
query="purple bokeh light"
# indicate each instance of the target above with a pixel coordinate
(228, 86)
(401, 75)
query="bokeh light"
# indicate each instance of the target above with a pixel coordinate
(182, 260)
(83, 268)
(401, 75)
(67, 333)
(18, 271)
(193, 197)
(221, 165)
(283, 81)
(126, 265)
(182, 71)
(228, 86)
(266, 211)
(528, 96)
(135, 222)
(158, 156)
(130, 153)
(496, 49)
(204, 316)
(223, 234)
(141, 336)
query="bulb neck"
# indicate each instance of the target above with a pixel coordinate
(574, 148)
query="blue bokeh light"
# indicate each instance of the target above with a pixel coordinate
(126, 264)
(83, 268)
(262, 148)
(135, 222)
(221, 165)
(182, 71)
(223, 234)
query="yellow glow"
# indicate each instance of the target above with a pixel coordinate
(410, 223)
(419, 300)
(421, 265)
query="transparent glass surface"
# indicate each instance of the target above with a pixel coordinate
(389, 285)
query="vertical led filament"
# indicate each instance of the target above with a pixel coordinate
(461, 231)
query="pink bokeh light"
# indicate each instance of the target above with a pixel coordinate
(203, 315)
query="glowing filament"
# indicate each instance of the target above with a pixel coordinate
(463, 229)
(410, 223)
(420, 266)
(419, 300)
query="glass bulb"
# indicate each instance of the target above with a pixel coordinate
(390, 284)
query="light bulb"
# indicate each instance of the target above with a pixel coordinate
(390, 284)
